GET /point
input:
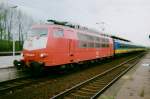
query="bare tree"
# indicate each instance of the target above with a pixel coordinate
(13, 21)
(1, 21)
(19, 17)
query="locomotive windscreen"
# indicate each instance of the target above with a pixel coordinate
(36, 39)
(37, 32)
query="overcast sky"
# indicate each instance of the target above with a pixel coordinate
(125, 18)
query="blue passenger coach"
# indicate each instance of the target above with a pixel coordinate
(122, 46)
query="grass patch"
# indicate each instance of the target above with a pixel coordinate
(107, 97)
(142, 93)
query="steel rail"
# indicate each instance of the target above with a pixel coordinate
(113, 81)
(9, 85)
(78, 86)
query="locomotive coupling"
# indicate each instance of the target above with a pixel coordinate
(19, 64)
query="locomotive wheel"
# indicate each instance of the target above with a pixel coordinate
(36, 69)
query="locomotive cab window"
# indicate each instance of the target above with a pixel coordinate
(38, 32)
(58, 33)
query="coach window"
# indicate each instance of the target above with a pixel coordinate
(103, 45)
(107, 45)
(90, 40)
(97, 39)
(107, 40)
(83, 44)
(58, 33)
(103, 40)
(97, 42)
(82, 37)
(97, 45)
(82, 40)
(90, 45)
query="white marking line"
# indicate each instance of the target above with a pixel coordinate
(146, 64)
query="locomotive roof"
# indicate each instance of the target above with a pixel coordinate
(119, 38)
(77, 27)
(82, 28)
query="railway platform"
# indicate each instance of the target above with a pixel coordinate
(7, 72)
(7, 61)
(133, 85)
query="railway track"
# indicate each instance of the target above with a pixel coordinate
(92, 88)
(9, 86)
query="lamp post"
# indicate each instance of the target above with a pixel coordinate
(13, 7)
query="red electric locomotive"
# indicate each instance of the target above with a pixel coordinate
(53, 45)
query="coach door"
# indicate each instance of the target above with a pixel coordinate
(70, 35)
(59, 46)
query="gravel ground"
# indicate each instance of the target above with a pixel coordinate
(53, 86)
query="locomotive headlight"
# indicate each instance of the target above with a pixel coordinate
(22, 56)
(43, 55)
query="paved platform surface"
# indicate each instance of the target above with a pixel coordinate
(133, 85)
(8, 74)
(7, 61)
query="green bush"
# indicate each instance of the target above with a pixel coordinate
(6, 45)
